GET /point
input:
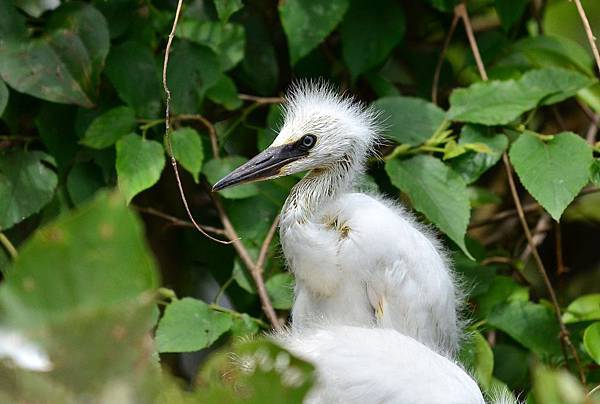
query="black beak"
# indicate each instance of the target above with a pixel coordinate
(265, 165)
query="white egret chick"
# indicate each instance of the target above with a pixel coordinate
(358, 259)
(365, 365)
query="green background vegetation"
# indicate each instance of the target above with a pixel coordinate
(104, 281)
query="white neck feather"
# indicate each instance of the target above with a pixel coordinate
(317, 188)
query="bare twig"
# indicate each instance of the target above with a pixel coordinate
(262, 255)
(592, 131)
(538, 235)
(255, 271)
(505, 214)
(8, 246)
(168, 126)
(461, 11)
(177, 221)
(212, 132)
(440, 62)
(261, 100)
(564, 333)
(588, 31)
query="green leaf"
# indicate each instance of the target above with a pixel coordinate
(224, 93)
(370, 33)
(532, 325)
(308, 22)
(27, 184)
(64, 64)
(104, 261)
(554, 171)
(472, 165)
(226, 40)
(193, 69)
(190, 325)
(502, 290)
(139, 164)
(443, 5)
(225, 8)
(510, 11)
(435, 190)
(218, 168)
(280, 288)
(410, 120)
(244, 326)
(132, 70)
(591, 341)
(188, 150)
(3, 97)
(584, 308)
(556, 387)
(595, 172)
(112, 125)
(501, 102)
(511, 365)
(477, 356)
(83, 181)
(242, 277)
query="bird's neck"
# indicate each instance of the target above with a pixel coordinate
(317, 188)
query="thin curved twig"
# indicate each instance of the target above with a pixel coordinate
(177, 221)
(168, 127)
(212, 132)
(8, 246)
(261, 100)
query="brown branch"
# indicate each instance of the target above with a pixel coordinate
(461, 11)
(262, 255)
(168, 126)
(564, 333)
(588, 31)
(592, 131)
(212, 132)
(538, 236)
(261, 100)
(177, 221)
(254, 269)
(440, 62)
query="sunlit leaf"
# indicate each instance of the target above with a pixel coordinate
(591, 341)
(188, 150)
(584, 308)
(109, 127)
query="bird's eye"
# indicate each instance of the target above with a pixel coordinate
(308, 141)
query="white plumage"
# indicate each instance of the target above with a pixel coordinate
(358, 259)
(375, 298)
(357, 365)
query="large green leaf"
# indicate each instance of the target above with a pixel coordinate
(591, 341)
(193, 69)
(472, 164)
(534, 326)
(64, 64)
(500, 102)
(190, 325)
(502, 290)
(307, 22)
(595, 172)
(132, 70)
(225, 8)
(410, 120)
(553, 171)
(139, 164)
(224, 92)
(584, 308)
(226, 40)
(103, 260)
(109, 127)
(79, 291)
(27, 184)
(216, 169)
(188, 150)
(370, 33)
(510, 11)
(435, 190)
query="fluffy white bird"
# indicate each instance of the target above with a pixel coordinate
(358, 259)
(361, 365)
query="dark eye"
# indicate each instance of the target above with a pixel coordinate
(308, 141)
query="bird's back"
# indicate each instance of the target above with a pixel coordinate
(365, 261)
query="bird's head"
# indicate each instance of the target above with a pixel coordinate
(321, 130)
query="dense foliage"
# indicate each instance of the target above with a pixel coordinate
(94, 235)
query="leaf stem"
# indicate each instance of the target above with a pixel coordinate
(10, 248)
